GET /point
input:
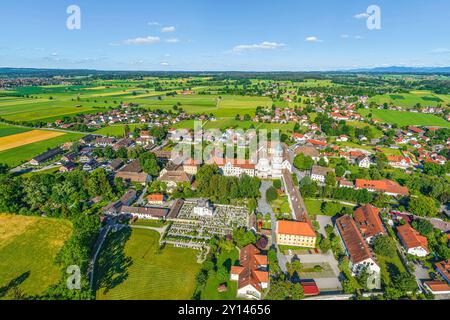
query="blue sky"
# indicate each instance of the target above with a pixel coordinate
(202, 35)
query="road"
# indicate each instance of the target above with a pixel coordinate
(323, 222)
(264, 207)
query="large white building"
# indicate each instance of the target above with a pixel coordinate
(203, 208)
(271, 161)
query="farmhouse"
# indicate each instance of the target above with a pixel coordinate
(399, 162)
(251, 274)
(414, 243)
(369, 223)
(40, 159)
(356, 247)
(294, 233)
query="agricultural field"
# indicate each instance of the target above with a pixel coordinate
(22, 237)
(116, 130)
(22, 139)
(16, 156)
(404, 118)
(131, 267)
(408, 100)
(8, 130)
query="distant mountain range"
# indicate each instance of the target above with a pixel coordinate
(395, 69)
(15, 72)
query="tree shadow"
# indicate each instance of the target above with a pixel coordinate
(392, 269)
(14, 284)
(113, 264)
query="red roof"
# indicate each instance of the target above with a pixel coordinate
(382, 186)
(295, 228)
(411, 238)
(368, 220)
(155, 197)
(310, 288)
(318, 143)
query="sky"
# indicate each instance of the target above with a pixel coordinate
(231, 35)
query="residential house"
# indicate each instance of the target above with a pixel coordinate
(156, 199)
(443, 268)
(320, 173)
(414, 243)
(44, 157)
(251, 274)
(134, 173)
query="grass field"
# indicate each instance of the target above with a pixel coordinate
(130, 267)
(8, 130)
(407, 100)
(390, 267)
(403, 118)
(16, 156)
(28, 247)
(22, 139)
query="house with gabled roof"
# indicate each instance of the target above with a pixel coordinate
(251, 274)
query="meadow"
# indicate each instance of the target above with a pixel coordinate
(404, 118)
(28, 248)
(408, 100)
(131, 267)
(8, 130)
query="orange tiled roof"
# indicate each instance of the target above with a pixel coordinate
(368, 220)
(295, 228)
(356, 245)
(382, 185)
(411, 238)
(248, 271)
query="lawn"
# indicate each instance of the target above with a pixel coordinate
(404, 118)
(314, 207)
(227, 259)
(16, 156)
(390, 267)
(131, 267)
(281, 205)
(28, 248)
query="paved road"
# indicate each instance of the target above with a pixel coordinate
(140, 201)
(264, 207)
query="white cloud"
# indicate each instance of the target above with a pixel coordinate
(142, 40)
(154, 24)
(361, 16)
(345, 36)
(266, 45)
(168, 29)
(313, 39)
(441, 50)
(165, 64)
(358, 37)
(172, 40)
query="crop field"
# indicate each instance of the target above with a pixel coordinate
(139, 271)
(16, 156)
(24, 237)
(403, 118)
(7, 130)
(407, 100)
(21, 139)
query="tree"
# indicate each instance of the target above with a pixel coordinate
(340, 171)
(385, 246)
(277, 184)
(424, 227)
(405, 282)
(302, 162)
(331, 208)
(271, 194)
(296, 291)
(330, 179)
(149, 164)
(422, 206)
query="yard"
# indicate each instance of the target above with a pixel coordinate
(390, 267)
(227, 259)
(22, 237)
(131, 267)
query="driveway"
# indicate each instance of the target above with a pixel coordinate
(264, 207)
(323, 222)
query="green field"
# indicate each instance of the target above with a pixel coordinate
(130, 267)
(411, 99)
(16, 156)
(7, 130)
(390, 267)
(28, 248)
(403, 118)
